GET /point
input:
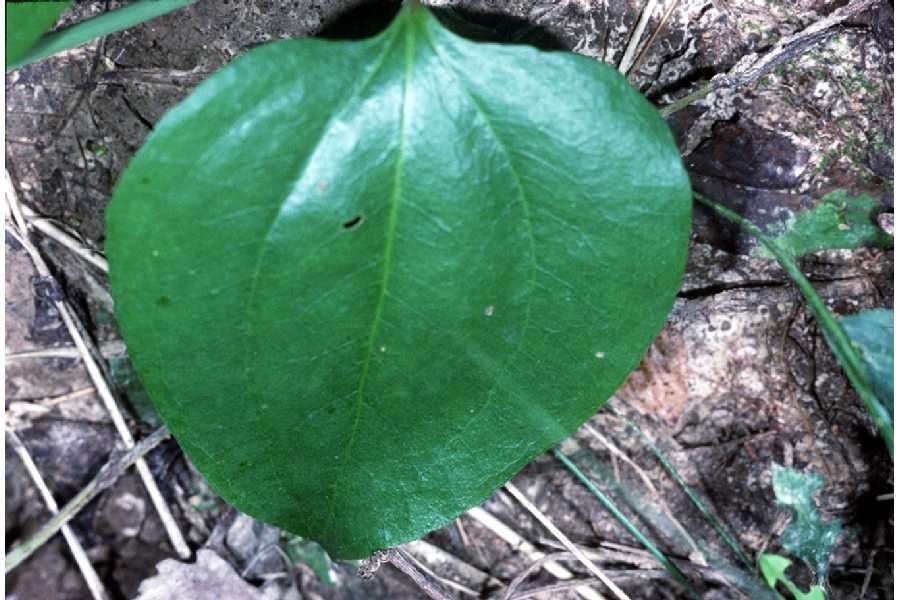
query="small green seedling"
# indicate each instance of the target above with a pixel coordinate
(808, 536)
(773, 567)
(865, 348)
(838, 221)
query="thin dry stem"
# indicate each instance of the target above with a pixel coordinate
(662, 23)
(409, 566)
(64, 238)
(98, 592)
(437, 557)
(517, 542)
(530, 569)
(660, 501)
(751, 67)
(88, 352)
(565, 541)
(444, 580)
(105, 478)
(107, 349)
(636, 35)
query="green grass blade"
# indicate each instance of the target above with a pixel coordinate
(720, 527)
(651, 510)
(105, 24)
(834, 334)
(26, 22)
(673, 570)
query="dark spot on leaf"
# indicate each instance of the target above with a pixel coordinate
(145, 180)
(353, 223)
(163, 301)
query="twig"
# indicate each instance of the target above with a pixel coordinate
(505, 533)
(619, 554)
(406, 564)
(443, 580)
(534, 566)
(107, 349)
(676, 573)
(752, 67)
(105, 478)
(262, 552)
(870, 568)
(54, 400)
(720, 527)
(98, 592)
(559, 535)
(636, 35)
(66, 239)
(565, 586)
(437, 557)
(616, 451)
(85, 346)
(662, 23)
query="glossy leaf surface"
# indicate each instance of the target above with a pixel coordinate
(26, 22)
(872, 332)
(366, 282)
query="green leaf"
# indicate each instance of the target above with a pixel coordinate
(129, 15)
(808, 537)
(367, 282)
(839, 221)
(872, 332)
(773, 567)
(26, 22)
(838, 340)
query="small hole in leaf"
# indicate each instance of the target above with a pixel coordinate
(353, 223)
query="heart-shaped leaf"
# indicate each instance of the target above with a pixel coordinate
(366, 282)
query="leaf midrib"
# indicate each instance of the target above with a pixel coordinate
(261, 251)
(390, 236)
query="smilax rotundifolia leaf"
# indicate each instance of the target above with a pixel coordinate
(366, 282)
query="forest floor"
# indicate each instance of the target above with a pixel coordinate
(739, 379)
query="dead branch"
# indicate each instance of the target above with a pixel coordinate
(752, 67)
(105, 478)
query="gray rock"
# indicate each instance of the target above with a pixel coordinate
(209, 578)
